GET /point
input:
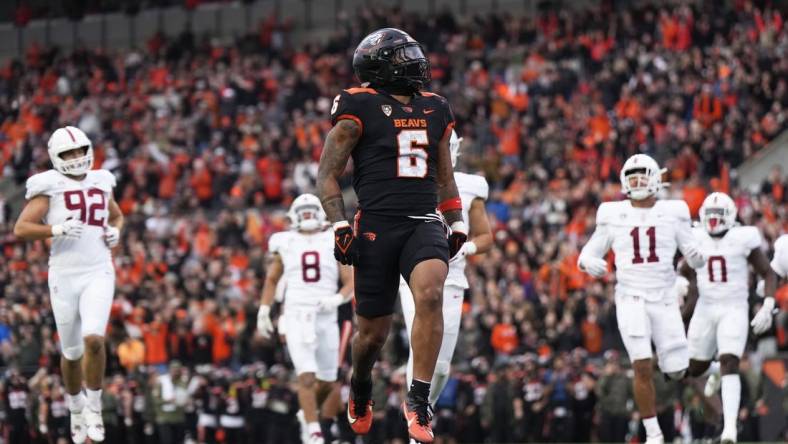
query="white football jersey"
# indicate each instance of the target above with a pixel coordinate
(86, 200)
(726, 272)
(780, 259)
(644, 241)
(310, 270)
(470, 187)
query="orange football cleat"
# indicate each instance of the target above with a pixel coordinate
(359, 417)
(419, 423)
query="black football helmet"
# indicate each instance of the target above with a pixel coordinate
(392, 60)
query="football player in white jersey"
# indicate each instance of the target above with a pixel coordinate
(473, 191)
(780, 260)
(304, 258)
(718, 294)
(644, 234)
(73, 205)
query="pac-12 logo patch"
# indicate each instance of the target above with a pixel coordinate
(369, 235)
(386, 109)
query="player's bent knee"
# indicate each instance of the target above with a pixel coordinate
(696, 368)
(429, 297)
(73, 353)
(94, 344)
(643, 369)
(307, 380)
(373, 337)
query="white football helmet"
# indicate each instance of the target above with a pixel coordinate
(718, 213)
(454, 147)
(306, 213)
(646, 175)
(66, 139)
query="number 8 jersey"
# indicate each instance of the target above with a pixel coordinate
(86, 200)
(644, 241)
(310, 270)
(395, 159)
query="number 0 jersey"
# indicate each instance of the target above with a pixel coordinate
(310, 270)
(644, 241)
(86, 200)
(726, 273)
(395, 159)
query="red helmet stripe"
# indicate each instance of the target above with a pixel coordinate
(73, 139)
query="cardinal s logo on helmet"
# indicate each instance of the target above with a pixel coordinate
(718, 213)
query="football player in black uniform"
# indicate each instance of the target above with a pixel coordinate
(398, 137)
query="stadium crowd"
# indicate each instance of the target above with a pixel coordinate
(211, 142)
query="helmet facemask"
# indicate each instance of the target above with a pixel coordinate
(75, 166)
(307, 218)
(640, 183)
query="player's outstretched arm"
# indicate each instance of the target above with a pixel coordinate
(448, 197)
(340, 142)
(481, 234)
(29, 225)
(273, 273)
(763, 318)
(346, 277)
(591, 259)
(760, 263)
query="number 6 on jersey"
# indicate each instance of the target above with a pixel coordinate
(412, 160)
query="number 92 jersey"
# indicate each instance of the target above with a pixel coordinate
(395, 159)
(86, 200)
(725, 275)
(310, 270)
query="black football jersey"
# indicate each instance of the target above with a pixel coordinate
(395, 159)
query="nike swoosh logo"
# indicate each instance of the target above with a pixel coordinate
(351, 420)
(429, 111)
(411, 421)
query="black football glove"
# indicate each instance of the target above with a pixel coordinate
(344, 248)
(457, 238)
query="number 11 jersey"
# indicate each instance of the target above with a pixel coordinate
(86, 200)
(396, 157)
(645, 241)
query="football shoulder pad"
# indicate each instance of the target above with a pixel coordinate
(41, 184)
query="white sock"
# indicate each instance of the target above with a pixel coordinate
(313, 427)
(731, 394)
(652, 426)
(714, 367)
(94, 399)
(439, 381)
(75, 402)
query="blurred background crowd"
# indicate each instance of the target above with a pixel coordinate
(211, 142)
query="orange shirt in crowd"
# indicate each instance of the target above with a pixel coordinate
(131, 354)
(504, 338)
(155, 336)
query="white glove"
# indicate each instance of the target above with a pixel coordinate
(763, 319)
(594, 266)
(681, 286)
(467, 249)
(111, 236)
(330, 303)
(264, 324)
(71, 228)
(694, 257)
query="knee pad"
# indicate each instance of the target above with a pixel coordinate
(676, 376)
(442, 367)
(74, 352)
